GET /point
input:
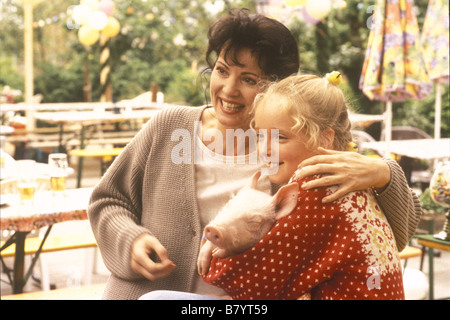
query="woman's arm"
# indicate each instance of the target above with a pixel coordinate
(115, 207)
(114, 213)
(352, 171)
(400, 205)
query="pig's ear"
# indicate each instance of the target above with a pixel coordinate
(255, 179)
(285, 200)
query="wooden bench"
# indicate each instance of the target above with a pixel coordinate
(49, 139)
(80, 241)
(92, 292)
(53, 243)
(410, 252)
(105, 155)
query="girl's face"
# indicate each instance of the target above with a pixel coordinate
(285, 151)
(233, 89)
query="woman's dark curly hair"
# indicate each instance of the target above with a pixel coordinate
(268, 39)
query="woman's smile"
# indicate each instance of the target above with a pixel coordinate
(231, 108)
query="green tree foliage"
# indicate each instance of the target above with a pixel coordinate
(159, 41)
(8, 74)
(340, 43)
(162, 42)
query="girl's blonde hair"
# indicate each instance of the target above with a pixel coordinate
(315, 105)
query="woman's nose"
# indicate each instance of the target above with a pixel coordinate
(231, 87)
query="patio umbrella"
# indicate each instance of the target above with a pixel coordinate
(435, 42)
(394, 68)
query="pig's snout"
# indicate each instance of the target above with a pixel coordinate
(214, 235)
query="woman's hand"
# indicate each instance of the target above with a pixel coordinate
(350, 171)
(141, 262)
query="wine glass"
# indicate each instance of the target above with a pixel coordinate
(440, 193)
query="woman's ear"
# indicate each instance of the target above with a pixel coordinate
(327, 138)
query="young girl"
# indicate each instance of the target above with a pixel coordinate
(340, 250)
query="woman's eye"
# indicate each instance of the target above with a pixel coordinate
(250, 81)
(221, 70)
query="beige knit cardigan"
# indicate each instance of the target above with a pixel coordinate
(144, 191)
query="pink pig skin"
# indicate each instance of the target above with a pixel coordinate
(244, 221)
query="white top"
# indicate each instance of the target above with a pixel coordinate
(218, 178)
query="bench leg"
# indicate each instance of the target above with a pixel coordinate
(45, 277)
(89, 265)
(80, 160)
(80, 172)
(19, 262)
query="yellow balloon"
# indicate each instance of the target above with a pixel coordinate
(294, 3)
(92, 4)
(318, 9)
(88, 35)
(112, 28)
(80, 14)
(98, 20)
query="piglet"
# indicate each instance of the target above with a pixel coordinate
(244, 221)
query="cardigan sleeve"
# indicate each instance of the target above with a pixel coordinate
(400, 205)
(116, 206)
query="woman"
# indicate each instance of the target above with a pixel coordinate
(339, 250)
(149, 209)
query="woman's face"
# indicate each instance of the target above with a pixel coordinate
(280, 153)
(233, 89)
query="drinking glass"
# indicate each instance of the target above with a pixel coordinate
(26, 181)
(58, 172)
(2, 147)
(440, 193)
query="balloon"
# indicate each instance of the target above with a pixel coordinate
(88, 35)
(80, 14)
(342, 4)
(112, 28)
(98, 20)
(106, 6)
(92, 4)
(308, 18)
(318, 9)
(295, 3)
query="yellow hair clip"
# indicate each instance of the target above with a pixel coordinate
(334, 77)
(351, 146)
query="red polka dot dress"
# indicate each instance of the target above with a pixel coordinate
(342, 250)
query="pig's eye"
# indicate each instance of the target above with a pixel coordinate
(254, 223)
(253, 226)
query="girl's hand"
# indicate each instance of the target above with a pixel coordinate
(350, 171)
(141, 263)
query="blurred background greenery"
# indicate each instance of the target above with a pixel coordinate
(163, 42)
